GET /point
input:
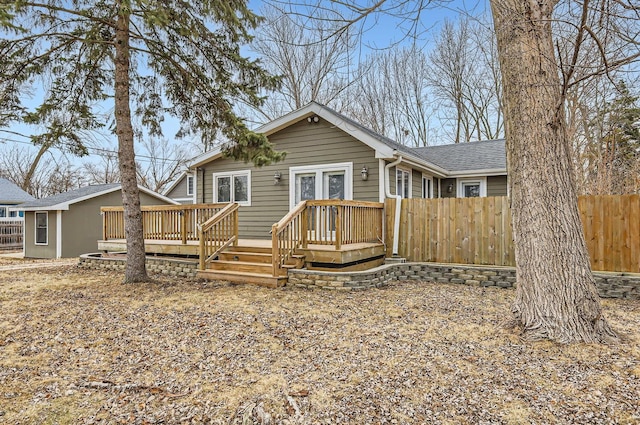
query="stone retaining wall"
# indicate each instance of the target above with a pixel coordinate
(167, 266)
(610, 285)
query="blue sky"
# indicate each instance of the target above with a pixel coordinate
(381, 31)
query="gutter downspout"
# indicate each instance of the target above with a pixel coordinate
(387, 190)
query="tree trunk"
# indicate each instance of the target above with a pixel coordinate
(556, 297)
(135, 270)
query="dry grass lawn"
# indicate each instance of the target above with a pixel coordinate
(78, 347)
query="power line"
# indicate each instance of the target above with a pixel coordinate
(97, 151)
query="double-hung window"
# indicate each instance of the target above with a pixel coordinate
(42, 225)
(189, 185)
(403, 182)
(232, 187)
(427, 186)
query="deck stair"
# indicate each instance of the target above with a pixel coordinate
(248, 264)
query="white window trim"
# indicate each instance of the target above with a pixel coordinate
(193, 181)
(319, 169)
(406, 170)
(430, 178)
(480, 180)
(35, 228)
(233, 174)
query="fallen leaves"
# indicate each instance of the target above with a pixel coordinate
(76, 346)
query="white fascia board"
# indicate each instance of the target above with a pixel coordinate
(479, 173)
(417, 163)
(157, 195)
(58, 207)
(204, 158)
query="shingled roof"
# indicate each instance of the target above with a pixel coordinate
(61, 201)
(10, 193)
(483, 155)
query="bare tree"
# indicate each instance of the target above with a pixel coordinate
(105, 170)
(54, 173)
(393, 97)
(159, 163)
(312, 58)
(464, 77)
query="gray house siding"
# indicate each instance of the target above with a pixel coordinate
(82, 223)
(497, 186)
(31, 250)
(306, 145)
(179, 192)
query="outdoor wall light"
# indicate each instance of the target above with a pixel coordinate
(450, 188)
(313, 119)
(277, 177)
(365, 173)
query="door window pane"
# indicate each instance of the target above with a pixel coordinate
(240, 188)
(334, 185)
(224, 189)
(305, 187)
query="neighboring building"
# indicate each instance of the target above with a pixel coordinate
(330, 156)
(181, 190)
(10, 197)
(69, 224)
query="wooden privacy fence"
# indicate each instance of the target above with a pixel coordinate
(11, 234)
(478, 231)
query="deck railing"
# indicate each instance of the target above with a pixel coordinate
(287, 236)
(325, 222)
(161, 222)
(217, 233)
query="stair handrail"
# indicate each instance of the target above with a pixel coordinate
(294, 224)
(217, 233)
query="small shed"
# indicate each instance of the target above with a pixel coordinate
(69, 224)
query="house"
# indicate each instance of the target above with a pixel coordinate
(321, 208)
(330, 156)
(10, 197)
(181, 190)
(69, 224)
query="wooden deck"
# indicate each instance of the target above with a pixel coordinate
(334, 235)
(315, 255)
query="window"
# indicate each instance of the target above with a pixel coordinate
(3, 212)
(472, 188)
(232, 187)
(189, 185)
(403, 182)
(42, 224)
(427, 186)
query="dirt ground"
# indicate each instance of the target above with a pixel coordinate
(79, 347)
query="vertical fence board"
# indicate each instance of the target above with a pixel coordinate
(478, 230)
